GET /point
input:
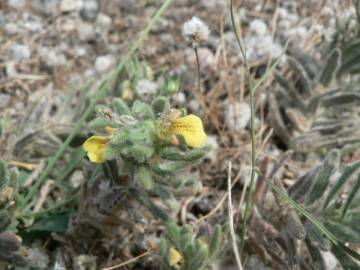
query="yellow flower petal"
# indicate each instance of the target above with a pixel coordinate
(174, 257)
(191, 128)
(95, 148)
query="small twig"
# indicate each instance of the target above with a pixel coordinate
(128, 262)
(31, 77)
(24, 165)
(217, 207)
(44, 191)
(231, 221)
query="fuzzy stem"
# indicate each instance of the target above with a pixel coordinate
(198, 69)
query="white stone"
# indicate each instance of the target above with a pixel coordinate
(146, 89)
(80, 51)
(258, 27)
(104, 63)
(331, 263)
(11, 29)
(38, 258)
(71, 5)
(194, 105)
(90, 9)
(76, 179)
(4, 101)
(52, 56)
(212, 140)
(179, 98)
(10, 69)
(33, 25)
(214, 4)
(20, 52)
(86, 32)
(103, 22)
(17, 4)
(237, 115)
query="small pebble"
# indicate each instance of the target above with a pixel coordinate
(38, 258)
(146, 89)
(10, 69)
(258, 27)
(70, 5)
(194, 105)
(52, 56)
(331, 263)
(11, 29)
(17, 4)
(212, 140)
(89, 10)
(86, 32)
(103, 22)
(4, 101)
(179, 98)
(20, 52)
(237, 115)
(80, 51)
(104, 63)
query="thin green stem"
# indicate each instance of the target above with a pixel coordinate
(252, 129)
(50, 209)
(99, 95)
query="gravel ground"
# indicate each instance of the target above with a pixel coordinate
(48, 47)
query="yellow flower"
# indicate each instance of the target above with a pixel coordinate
(174, 257)
(191, 128)
(95, 148)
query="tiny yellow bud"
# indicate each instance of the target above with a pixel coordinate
(95, 148)
(174, 257)
(110, 130)
(127, 91)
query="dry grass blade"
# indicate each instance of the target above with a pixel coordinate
(129, 261)
(231, 221)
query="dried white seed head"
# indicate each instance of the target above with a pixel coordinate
(195, 31)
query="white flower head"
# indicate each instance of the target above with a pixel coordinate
(195, 31)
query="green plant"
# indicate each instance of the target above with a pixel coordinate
(181, 249)
(143, 147)
(315, 104)
(10, 245)
(313, 211)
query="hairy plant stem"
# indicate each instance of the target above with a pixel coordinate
(198, 88)
(99, 95)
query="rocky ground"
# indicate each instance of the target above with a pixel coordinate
(48, 48)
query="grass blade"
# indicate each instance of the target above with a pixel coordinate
(322, 179)
(347, 173)
(315, 222)
(331, 66)
(351, 196)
